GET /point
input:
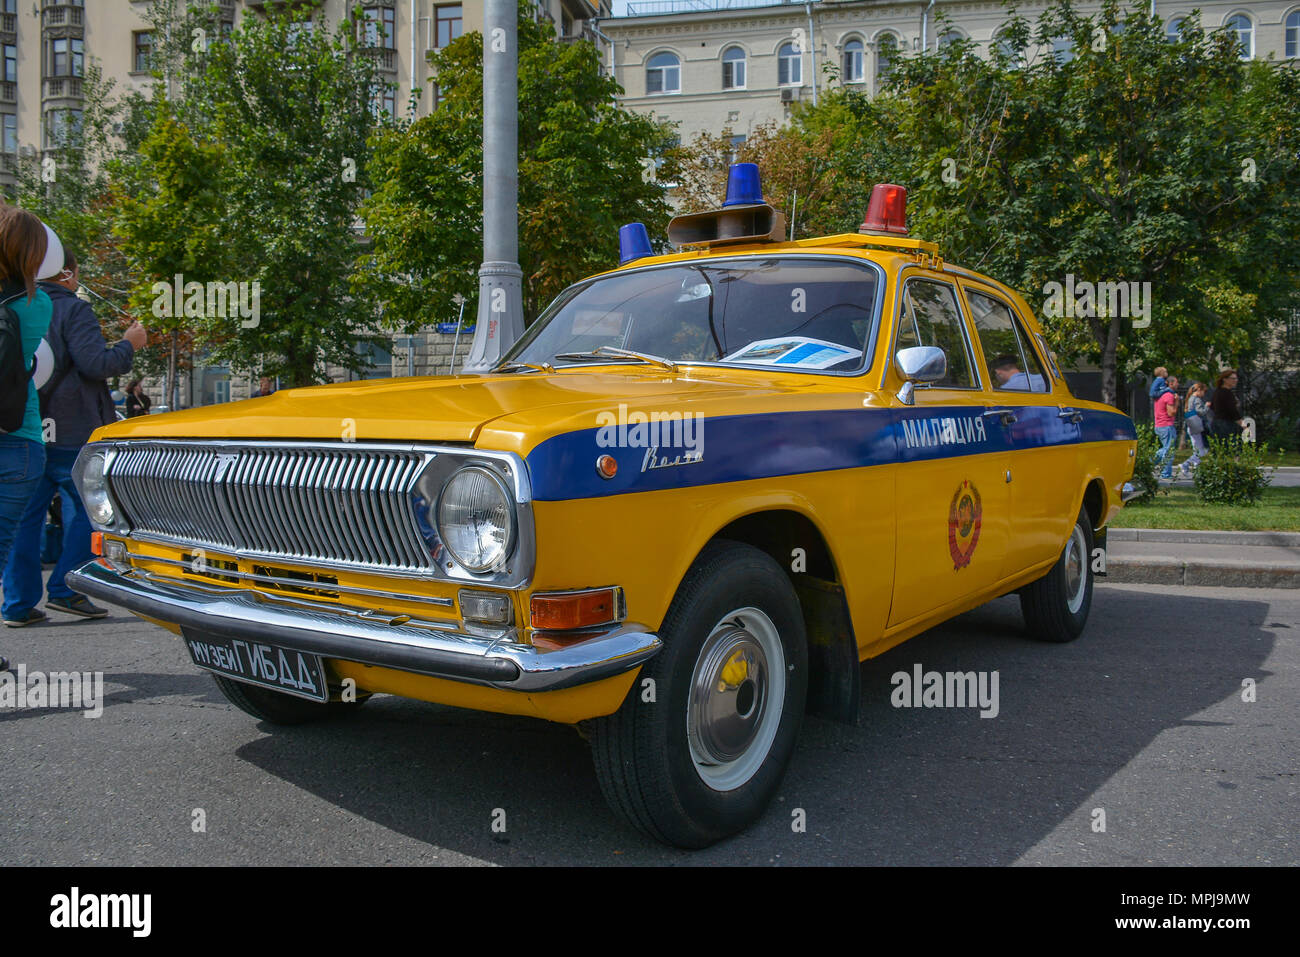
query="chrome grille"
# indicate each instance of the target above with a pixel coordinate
(337, 505)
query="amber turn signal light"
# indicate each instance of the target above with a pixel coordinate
(606, 466)
(97, 543)
(565, 611)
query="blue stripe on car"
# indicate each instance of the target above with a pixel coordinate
(738, 448)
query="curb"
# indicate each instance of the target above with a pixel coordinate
(1203, 537)
(1221, 574)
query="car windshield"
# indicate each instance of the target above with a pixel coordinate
(803, 315)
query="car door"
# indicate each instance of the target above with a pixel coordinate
(952, 499)
(1041, 430)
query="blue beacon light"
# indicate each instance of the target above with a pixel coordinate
(633, 243)
(743, 186)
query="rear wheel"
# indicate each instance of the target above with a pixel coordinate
(703, 758)
(1056, 606)
(276, 707)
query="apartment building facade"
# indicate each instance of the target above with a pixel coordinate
(718, 65)
(48, 44)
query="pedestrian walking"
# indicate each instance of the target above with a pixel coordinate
(1226, 422)
(1196, 419)
(137, 403)
(74, 403)
(29, 250)
(1166, 414)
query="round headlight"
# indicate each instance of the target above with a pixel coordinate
(94, 492)
(475, 519)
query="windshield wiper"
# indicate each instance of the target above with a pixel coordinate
(511, 366)
(601, 352)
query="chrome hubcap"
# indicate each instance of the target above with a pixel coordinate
(736, 696)
(1076, 570)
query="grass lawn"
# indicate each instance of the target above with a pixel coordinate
(1278, 511)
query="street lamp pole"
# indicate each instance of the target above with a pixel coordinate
(500, 302)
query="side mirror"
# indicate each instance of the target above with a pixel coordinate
(919, 364)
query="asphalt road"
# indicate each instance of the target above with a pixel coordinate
(1142, 719)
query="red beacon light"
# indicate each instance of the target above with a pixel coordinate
(887, 210)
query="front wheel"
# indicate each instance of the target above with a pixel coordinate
(1056, 606)
(697, 752)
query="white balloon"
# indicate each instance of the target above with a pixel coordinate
(52, 264)
(44, 364)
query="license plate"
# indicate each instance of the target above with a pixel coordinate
(292, 672)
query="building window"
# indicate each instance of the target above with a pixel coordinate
(663, 74)
(1293, 34)
(142, 47)
(736, 143)
(10, 6)
(67, 57)
(384, 101)
(949, 37)
(377, 27)
(448, 23)
(1172, 28)
(1240, 24)
(789, 66)
(376, 359)
(733, 68)
(60, 126)
(1062, 49)
(10, 133)
(886, 50)
(11, 63)
(854, 61)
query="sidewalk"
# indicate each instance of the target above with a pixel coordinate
(1203, 558)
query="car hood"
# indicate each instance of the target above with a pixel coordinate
(509, 412)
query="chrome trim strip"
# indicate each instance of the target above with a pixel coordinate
(388, 642)
(289, 582)
(1129, 492)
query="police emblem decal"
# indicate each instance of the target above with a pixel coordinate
(964, 515)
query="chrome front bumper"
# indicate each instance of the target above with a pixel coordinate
(1129, 492)
(371, 638)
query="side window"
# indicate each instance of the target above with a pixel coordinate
(1010, 357)
(931, 317)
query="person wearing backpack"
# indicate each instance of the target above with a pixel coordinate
(29, 250)
(74, 403)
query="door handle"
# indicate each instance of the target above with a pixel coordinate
(1006, 415)
(1074, 415)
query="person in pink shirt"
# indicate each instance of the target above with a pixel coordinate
(1166, 411)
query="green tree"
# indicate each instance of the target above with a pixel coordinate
(1133, 160)
(581, 176)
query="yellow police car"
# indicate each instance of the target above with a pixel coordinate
(698, 492)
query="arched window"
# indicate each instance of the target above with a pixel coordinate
(1172, 27)
(663, 74)
(1240, 24)
(886, 50)
(1293, 34)
(733, 68)
(789, 65)
(949, 37)
(853, 61)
